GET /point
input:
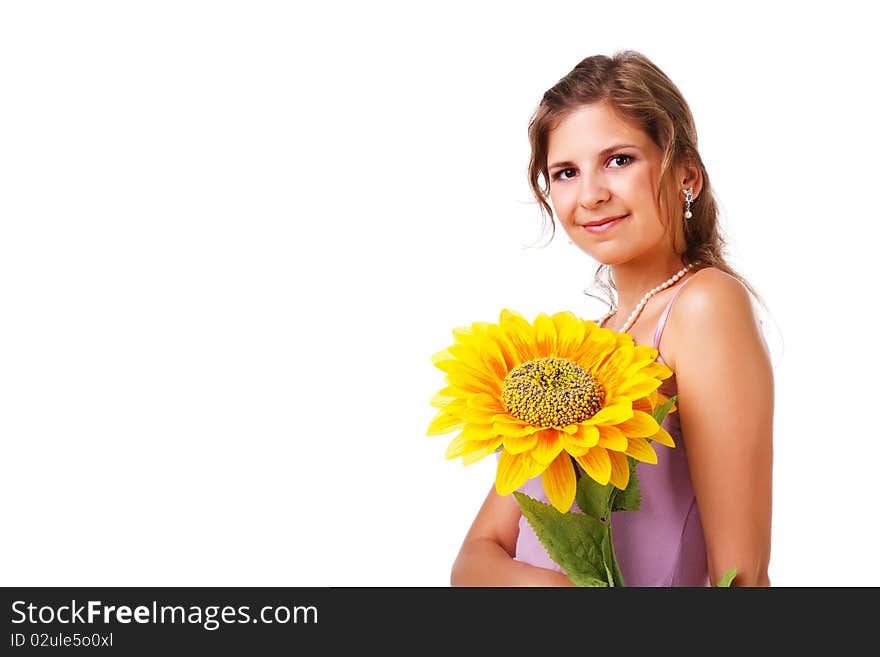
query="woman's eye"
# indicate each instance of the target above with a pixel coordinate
(617, 157)
(558, 175)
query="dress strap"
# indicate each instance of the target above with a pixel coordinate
(662, 323)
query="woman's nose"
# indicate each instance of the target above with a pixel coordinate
(593, 191)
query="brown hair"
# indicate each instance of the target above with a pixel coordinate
(641, 94)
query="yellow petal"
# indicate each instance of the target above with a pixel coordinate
(619, 469)
(663, 437)
(482, 452)
(643, 352)
(656, 370)
(511, 359)
(471, 362)
(473, 457)
(456, 447)
(640, 449)
(482, 401)
(580, 443)
(443, 422)
(625, 341)
(640, 425)
(468, 355)
(587, 434)
(508, 315)
(659, 399)
(643, 404)
(519, 335)
(520, 444)
(514, 429)
(461, 377)
(484, 409)
(616, 362)
(570, 333)
(560, 482)
(462, 445)
(495, 360)
(492, 355)
(548, 446)
(479, 415)
(475, 409)
(536, 469)
(597, 464)
(446, 396)
(573, 448)
(614, 414)
(545, 335)
(443, 360)
(451, 364)
(612, 438)
(611, 371)
(643, 356)
(465, 334)
(473, 431)
(595, 349)
(513, 472)
(638, 386)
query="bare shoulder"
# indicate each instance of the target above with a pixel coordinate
(714, 306)
(710, 293)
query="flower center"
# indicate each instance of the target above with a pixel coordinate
(553, 392)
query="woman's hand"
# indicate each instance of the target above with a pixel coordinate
(487, 553)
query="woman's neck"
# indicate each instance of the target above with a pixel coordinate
(634, 280)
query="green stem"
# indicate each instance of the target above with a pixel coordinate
(610, 505)
(615, 568)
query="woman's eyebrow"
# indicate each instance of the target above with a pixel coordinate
(602, 153)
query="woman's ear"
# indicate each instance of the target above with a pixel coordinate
(690, 175)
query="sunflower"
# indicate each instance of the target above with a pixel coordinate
(545, 393)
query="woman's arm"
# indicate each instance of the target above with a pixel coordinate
(486, 554)
(725, 382)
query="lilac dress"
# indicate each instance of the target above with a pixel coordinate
(662, 543)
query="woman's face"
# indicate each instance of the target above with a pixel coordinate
(601, 167)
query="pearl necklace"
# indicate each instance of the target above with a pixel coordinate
(638, 309)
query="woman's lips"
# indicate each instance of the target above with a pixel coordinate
(601, 228)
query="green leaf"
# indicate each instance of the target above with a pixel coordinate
(573, 540)
(630, 497)
(662, 411)
(592, 497)
(727, 578)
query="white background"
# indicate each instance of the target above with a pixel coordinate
(233, 233)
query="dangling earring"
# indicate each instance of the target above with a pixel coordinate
(689, 198)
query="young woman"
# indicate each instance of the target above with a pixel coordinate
(616, 144)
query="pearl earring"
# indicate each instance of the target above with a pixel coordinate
(689, 198)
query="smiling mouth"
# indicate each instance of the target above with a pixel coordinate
(602, 223)
(607, 225)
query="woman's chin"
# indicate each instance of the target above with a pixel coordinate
(606, 257)
(604, 253)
